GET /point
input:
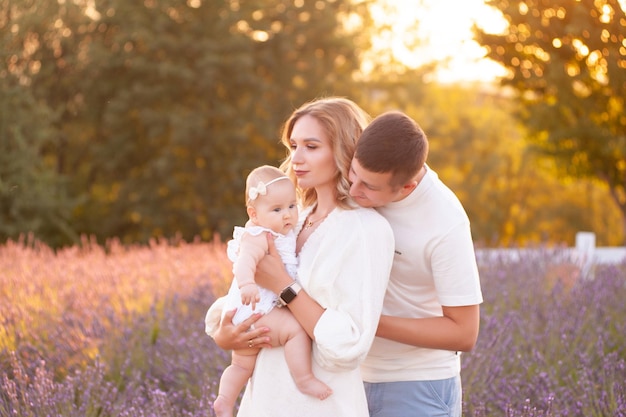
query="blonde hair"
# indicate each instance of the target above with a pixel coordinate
(265, 174)
(343, 122)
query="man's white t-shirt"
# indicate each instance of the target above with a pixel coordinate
(434, 266)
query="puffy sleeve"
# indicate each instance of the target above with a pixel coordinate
(346, 270)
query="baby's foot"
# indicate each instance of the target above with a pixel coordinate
(314, 387)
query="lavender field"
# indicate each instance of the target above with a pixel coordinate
(118, 331)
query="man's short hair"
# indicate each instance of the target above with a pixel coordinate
(393, 142)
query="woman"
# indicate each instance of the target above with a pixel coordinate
(344, 259)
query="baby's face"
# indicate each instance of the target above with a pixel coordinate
(278, 209)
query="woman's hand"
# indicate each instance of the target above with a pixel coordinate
(270, 270)
(242, 336)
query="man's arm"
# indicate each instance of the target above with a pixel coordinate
(456, 330)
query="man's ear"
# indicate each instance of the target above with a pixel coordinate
(412, 185)
(409, 187)
(251, 213)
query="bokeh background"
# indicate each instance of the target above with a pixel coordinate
(127, 128)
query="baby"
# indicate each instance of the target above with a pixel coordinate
(271, 207)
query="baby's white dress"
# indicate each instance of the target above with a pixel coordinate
(286, 246)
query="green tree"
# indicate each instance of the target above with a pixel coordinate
(33, 193)
(200, 93)
(567, 62)
(512, 197)
(161, 107)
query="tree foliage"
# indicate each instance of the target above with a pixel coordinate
(512, 197)
(567, 61)
(141, 119)
(33, 194)
(158, 109)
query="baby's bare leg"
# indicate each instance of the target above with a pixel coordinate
(287, 332)
(234, 379)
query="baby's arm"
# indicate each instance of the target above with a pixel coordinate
(251, 250)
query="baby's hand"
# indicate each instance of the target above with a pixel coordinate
(250, 295)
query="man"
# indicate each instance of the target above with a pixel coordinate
(431, 307)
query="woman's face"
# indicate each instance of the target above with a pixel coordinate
(312, 154)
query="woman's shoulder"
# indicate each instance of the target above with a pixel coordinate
(364, 216)
(362, 225)
(359, 212)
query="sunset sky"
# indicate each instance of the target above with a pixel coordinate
(446, 26)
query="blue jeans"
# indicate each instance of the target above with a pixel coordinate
(440, 398)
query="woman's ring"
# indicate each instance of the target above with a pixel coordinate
(250, 343)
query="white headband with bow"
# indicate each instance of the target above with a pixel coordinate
(261, 188)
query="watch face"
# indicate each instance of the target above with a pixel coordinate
(288, 295)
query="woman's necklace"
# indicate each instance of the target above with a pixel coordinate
(309, 223)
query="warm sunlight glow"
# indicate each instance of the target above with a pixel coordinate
(445, 27)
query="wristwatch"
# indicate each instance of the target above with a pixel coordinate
(289, 293)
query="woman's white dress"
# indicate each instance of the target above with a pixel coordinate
(344, 266)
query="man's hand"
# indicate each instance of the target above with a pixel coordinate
(242, 336)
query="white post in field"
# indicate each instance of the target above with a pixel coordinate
(585, 248)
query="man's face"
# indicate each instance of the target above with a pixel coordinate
(372, 189)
